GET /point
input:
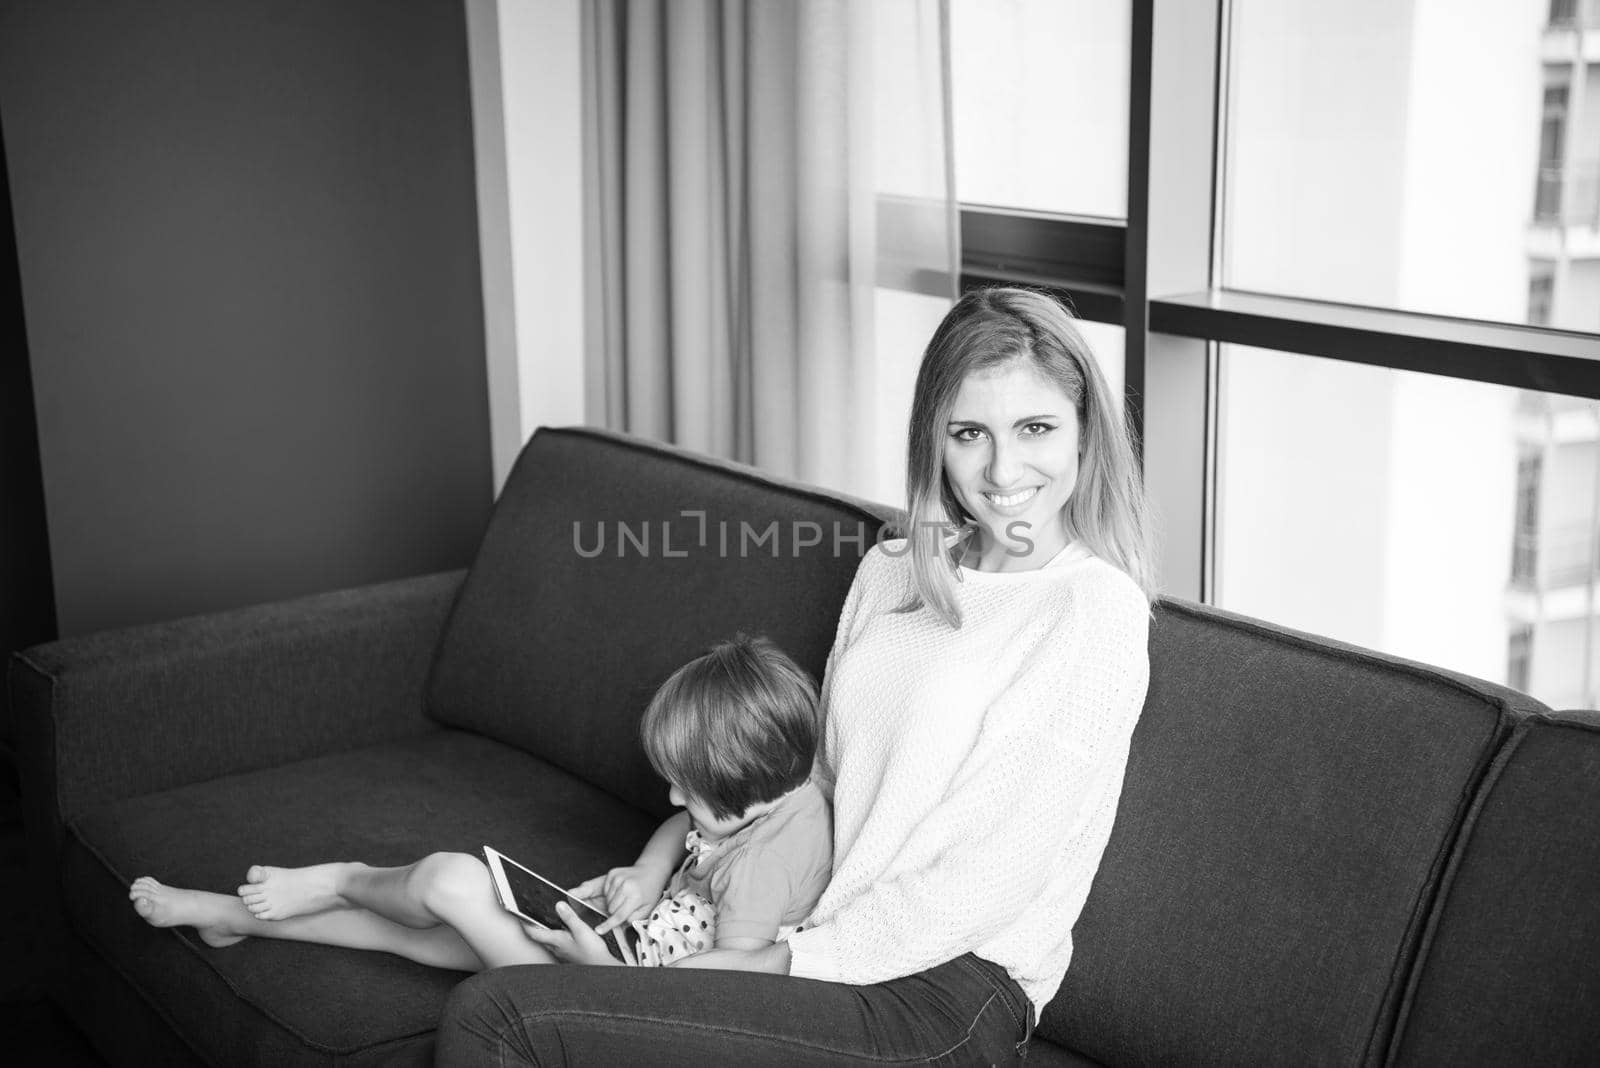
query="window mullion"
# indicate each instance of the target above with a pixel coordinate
(1171, 200)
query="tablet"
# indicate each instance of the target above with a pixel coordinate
(525, 893)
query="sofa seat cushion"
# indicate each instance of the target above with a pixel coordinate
(262, 1001)
(1510, 970)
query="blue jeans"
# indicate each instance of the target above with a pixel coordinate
(966, 1012)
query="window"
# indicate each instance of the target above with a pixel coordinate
(1552, 153)
(1569, 14)
(1364, 142)
(1525, 535)
(903, 322)
(1363, 353)
(1370, 505)
(1519, 656)
(1564, 662)
(1422, 516)
(1541, 291)
(1109, 345)
(1041, 104)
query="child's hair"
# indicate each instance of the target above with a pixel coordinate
(735, 727)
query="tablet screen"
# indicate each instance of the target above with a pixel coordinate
(534, 897)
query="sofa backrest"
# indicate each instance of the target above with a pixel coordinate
(1509, 971)
(592, 585)
(1289, 805)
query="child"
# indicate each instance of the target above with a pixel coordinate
(733, 731)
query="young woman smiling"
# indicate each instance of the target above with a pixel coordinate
(979, 699)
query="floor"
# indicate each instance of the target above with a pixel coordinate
(35, 1032)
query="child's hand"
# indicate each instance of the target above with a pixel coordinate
(630, 893)
(593, 891)
(578, 944)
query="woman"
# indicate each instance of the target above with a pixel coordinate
(979, 700)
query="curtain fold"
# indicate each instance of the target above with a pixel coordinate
(757, 171)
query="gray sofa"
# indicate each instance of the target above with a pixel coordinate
(1323, 855)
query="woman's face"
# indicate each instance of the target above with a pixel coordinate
(1011, 456)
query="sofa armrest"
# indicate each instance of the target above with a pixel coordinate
(127, 712)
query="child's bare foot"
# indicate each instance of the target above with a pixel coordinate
(168, 906)
(282, 893)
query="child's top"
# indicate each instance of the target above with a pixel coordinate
(769, 873)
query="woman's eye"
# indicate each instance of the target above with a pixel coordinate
(1036, 429)
(966, 433)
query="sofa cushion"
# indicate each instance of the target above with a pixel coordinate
(1510, 968)
(558, 651)
(1288, 806)
(269, 1002)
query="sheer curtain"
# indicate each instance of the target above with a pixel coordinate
(759, 177)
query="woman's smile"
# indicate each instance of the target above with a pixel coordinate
(1012, 501)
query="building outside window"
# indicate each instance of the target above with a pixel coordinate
(1552, 149)
(1525, 536)
(1518, 658)
(1541, 291)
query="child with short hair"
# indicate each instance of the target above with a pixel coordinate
(734, 732)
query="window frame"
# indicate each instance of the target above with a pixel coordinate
(1162, 287)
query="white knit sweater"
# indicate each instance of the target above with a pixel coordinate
(974, 772)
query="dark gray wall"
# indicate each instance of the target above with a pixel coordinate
(248, 248)
(27, 603)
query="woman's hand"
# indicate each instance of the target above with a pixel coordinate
(578, 944)
(773, 959)
(627, 893)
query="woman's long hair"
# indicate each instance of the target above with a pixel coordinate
(1107, 510)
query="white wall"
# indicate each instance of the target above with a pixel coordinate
(527, 124)
(1558, 670)
(1579, 304)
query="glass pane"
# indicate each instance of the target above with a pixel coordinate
(1107, 342)
(1427, 155)
(1041, 103)
(903, 322)
(1451, 522)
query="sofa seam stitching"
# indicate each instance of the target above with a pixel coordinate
(54, 736)
(1368, 658)
(752, 478)
(1425, 895)
(1491, 775)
